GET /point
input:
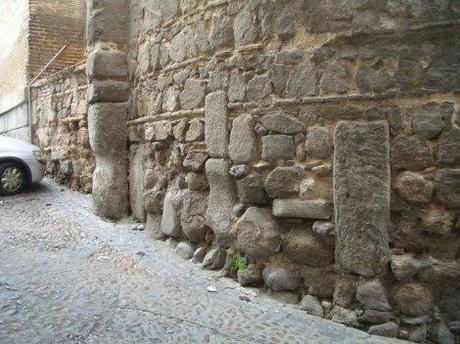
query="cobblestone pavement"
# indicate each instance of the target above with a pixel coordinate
(68, 277)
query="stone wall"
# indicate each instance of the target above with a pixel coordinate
(60, 127)
(312, 146)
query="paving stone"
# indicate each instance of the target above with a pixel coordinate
(310, 209)
(216, 124)
(277, 147)
(243, 143)
(251, 240)
(362, 196)
(282, 123)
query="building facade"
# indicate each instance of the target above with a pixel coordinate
(31, 33)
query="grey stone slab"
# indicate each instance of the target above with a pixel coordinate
(243, 143)
(310, 209)
(107, 64)
(362, 196)
(222, 197)
(216, 124)
(136, 181)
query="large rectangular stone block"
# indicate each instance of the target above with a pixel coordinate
(107, 21)
(107, 64)
(136, 180)
(362, 196)
(216, 124)
(108, 91)
(310, 209)
(222, 198)
(108, 130)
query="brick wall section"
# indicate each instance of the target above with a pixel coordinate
(53, 24)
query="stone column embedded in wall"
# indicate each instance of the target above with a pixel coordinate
(362, 196)
(108, 92)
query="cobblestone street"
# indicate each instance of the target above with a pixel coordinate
(68, 277)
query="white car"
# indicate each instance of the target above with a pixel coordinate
(20, 165)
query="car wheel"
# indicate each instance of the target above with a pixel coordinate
(12, 178)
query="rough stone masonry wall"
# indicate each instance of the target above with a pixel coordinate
(61, 128)
(311, 147)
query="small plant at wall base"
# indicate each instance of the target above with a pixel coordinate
(239, 263)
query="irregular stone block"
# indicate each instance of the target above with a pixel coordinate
(108, 91)
(323, 228)
(197, 182)
(404, 267)
(244, 28)
(153, 200)
(372, 295)
(281, 279)
(236, 87)
(195, 160)
(449, 147)
(251, 190)
(344, 316)
(413, 299)
(318, 143)
(221, 32)
(199, 255)
(136, 181)
(214, 259)
(447, 187)
(222, 198)
(414, 188)
(257, 233)
(193, 215)
(258, 88)
(376, 317)
(283, 181)
(362, 196)
(170, 220)
(169, 100)
(312, 306)
(195, 131)
(410, 153)
(251, 276)
(436, 221)
(303, 248)
(193, 94)
(216, 124)
(277, 147)
(110, 187)
(303, 82)
(153, 226)
(107, 64)
(243, 143)
(108, 128)
(185, 250)
(282, 123)
(279, 76)
(310, 209)
(427, 121)
(389, 329)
